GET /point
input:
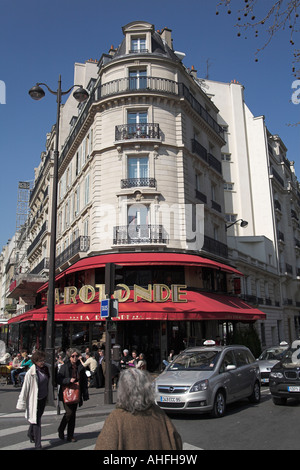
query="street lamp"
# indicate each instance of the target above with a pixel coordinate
(37, 93)
(243, 224)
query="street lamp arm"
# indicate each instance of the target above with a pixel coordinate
(48, 88)
(61, 92)
(244, 223)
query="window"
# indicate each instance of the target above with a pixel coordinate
(137, 79)
(67, 214)
(86, 190)
(137, 124)
(241, 358)
(227, 361)
(138, 44)
(86, 227)
(138, 222)
(138, 167)
(226, 157)
(78, 161)
(198, 181)
(76, 202)
(230, 218)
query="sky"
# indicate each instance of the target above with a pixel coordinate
(39, 40)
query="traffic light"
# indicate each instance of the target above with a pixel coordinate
(111, 277)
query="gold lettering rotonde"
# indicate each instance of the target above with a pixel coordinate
(154, 293)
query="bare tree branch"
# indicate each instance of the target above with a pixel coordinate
(283, 14)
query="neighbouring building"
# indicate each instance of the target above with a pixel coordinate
(260, 187)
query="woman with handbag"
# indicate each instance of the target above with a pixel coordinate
(37, 391)
(73, 391)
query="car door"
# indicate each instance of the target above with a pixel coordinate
(244, 373)
(228, 378)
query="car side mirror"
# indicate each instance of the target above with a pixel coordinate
(230, 367)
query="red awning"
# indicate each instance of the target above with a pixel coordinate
(199, 306)
(144, 259)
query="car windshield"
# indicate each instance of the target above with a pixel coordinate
(195, 360)
(271, 354)
(291, 358)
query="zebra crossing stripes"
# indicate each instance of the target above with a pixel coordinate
(51, 440)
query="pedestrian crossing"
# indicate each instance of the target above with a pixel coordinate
(51, 439)
(48, 440)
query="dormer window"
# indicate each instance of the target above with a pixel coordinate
(138, 37)
(138, 44)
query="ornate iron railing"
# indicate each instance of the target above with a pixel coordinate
(138, 182)
(137, 131)
(138, 234)
(81, 244)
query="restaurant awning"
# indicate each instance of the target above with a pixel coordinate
(199, 306)
(143, 259)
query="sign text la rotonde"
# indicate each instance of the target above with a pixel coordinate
(153, 293)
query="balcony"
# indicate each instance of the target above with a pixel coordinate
(38, 238)
(80, 245)
(201, 151)
(41, 267)
(214, 246)
(143, 84)
(138, 182)
(137, 131)
(139, 234)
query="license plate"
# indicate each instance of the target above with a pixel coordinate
(294, 389)
(265, 381)
(170, 399)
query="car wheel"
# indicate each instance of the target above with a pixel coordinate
(255, 396)
(279, 401)
(219, 408)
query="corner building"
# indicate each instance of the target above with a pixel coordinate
(141, 185)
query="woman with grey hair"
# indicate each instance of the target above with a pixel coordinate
(137, 423)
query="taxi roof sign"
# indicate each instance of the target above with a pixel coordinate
(209, 342)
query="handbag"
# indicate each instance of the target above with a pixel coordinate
(71, 393)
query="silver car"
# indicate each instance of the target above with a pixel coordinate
(268, 358)
(205, 379)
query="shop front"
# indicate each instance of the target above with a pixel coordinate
(164, 302)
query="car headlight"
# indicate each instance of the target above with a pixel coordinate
(276, 375)
(200, 386)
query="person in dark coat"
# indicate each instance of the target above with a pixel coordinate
(70, 372)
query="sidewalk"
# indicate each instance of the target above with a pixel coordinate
(94, 406)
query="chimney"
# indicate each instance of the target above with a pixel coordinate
(193, 72)
(112, 51)
(166, 35)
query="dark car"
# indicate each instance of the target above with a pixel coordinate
(285, 376)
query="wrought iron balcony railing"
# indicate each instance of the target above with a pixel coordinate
(38, 238)
(81, 244)
(138, 234)
(42, 266)
(137, 131)
(138, 182)
(214, 246)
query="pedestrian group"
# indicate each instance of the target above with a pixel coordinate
(74, 373)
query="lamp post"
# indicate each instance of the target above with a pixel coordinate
(243, 224)
(37, 93)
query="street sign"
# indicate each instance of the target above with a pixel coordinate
(105, 308)
(109, 308)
